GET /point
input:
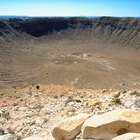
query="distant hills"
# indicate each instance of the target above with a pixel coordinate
(4, 17)
(14, 16)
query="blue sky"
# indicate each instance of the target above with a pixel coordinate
(70, 7)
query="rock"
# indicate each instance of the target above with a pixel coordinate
(128, 136)
(39, 122)
(137, 103)
(117, 94)
(7, 137)
(112, 124)
(94, 103)
(22, 108)
(9, 131)
(131, 103)
(69, 128)
(69, 99)
(33, 138)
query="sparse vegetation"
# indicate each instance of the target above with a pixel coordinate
(38, 87)
(38, 107)
(51, 75)
(5, 114)
(15, 104)
(136, 93)
(18, 138)
(45, 120)
(117, 101)
(1, 131)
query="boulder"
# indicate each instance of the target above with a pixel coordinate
(33, 138)
(132, 103)
(7, 137)
(129, 103)
(69, 128)
(111, 124)
(93, 103)
(128, 136)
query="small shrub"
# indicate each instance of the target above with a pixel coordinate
(136, 93)
(38, 87)
(1, 131)
(5, 114)
(15, 104)
(117, 101)
(37, 107)
(45, 120)
(18, 138)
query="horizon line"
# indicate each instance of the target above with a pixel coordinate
(28, 16)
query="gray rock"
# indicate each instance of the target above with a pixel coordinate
(132, 103)
(137, 103)
(39, 122)
(7, 137)
(129, 103)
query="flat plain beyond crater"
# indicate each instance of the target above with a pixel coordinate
(79, 52)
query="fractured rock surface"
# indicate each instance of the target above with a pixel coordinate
(69, 128)
(112, 124)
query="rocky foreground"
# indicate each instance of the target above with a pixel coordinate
(63, 113)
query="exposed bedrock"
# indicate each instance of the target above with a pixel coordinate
(124, 31)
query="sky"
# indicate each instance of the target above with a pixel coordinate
(119, 8)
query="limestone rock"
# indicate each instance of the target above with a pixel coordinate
(112, 124)
(33, 138)
(129, 103)
(137, 103)
(128, 136)
(39, 122)
(7, 137)
(94, 103)
(69, 128)
(132, 103)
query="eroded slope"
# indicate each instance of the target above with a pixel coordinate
(81, 52)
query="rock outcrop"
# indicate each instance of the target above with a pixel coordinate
(33, 112)
(69, 128)
(124, 31)
(111, 124)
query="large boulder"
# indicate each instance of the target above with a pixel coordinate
(112, 124)
(69, 128)
(128, 136)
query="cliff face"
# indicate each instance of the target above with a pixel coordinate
(123, 31)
